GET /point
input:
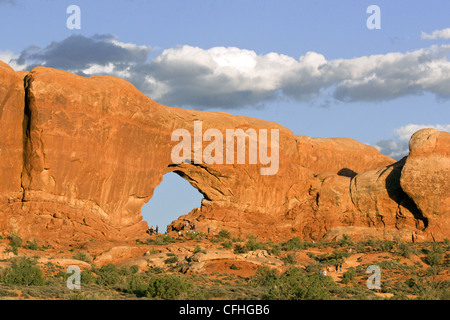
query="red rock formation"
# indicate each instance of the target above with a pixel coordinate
(343, 156)
(426, 179)
(92, 150)
(12, 104)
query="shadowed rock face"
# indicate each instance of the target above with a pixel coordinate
(83, 155)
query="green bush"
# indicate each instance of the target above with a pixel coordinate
(23, 272)
(171, 260)
(32, 245)
(108, 275)
(348, 276)
(15, 240)
(137, 286)
(345, 241)
(197, 249)
(264, 276)
(404, 249)
(161, 239)
(227, 244)
(87, 277)
(168, 287)
(295, 284)
(134, 269)
(252, 244)
(83, 256)
(292, 244)
(434, 258)
(288, 259)
(224, 234)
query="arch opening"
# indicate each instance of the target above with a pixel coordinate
(172, 198)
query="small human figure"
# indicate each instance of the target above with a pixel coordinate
(324, 272)
(151, 230)
(156, 229)
(340, 267)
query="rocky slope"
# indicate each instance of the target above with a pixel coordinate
(81, 156)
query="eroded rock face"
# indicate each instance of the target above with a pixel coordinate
(343, 156)
(87, 153)
(12, 104)
(97, 147)
(426, 179)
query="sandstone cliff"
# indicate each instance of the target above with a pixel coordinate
(81, 156)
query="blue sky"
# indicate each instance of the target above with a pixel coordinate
(312, 66)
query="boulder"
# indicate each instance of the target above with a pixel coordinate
(425, 178)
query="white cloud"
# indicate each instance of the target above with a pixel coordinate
(437, 34)
(10, 58)
(399, 147)
(231, 77)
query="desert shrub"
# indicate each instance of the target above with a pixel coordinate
(32, 245)
(239, 249)
(252, 244)
(192, 235)
(348, 276)
(264, 276)
(335, 257)
(83, 256)
(275, 249)
(108, 275)
(404, 249)
(171, 260)
(345, 241)
(292, 244)
(224, 234)
(134, 269)
(227, 244)
(168, 287)
(155, 270)
(197, 249)
(23, 272)
(15, 240)
(288, 259)
(87, 277)
(295, 284)
(434, 258)
(234, 267)
(137, 285)
(161, 239)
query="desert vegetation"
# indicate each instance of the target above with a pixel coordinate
(409, 271)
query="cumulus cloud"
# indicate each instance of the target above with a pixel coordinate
(399, 147)
(230, 77)
(77, 53)
(437, 34)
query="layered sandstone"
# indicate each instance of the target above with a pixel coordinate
(83, 155)
(12, 104)
(426, 179)
(343, 156)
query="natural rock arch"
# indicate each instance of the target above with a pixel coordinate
(94, 149)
